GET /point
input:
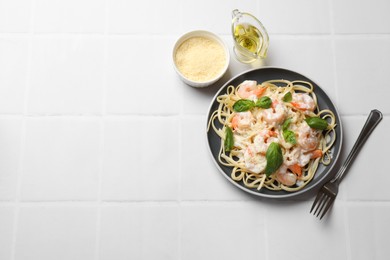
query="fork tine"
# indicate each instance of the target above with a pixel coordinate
(316, 201)
(324, 202)
(319, 203)
(330, 203)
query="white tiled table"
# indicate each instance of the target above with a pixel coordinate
(98, 135)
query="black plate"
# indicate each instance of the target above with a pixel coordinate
(324, 102)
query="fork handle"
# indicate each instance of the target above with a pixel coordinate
(372, 121)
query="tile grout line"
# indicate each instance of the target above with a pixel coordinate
(102, 133)
(23, 133)
(180, 179)
(333, 47)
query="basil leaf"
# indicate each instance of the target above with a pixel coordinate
(264, 102)
(243, 105)
(274, 158)
(229, 142)
(287, 97)
(289, 136)
(317, 123)
(286, 124)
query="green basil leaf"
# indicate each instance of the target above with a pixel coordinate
(317, 123)
(264, 102)
(286, 124)
(229, 142)
(243, 105)
(287, 97)
(289, 136)
(274, 158)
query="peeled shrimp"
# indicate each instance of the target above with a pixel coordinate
(275, 114)
(254, 162)
(303, 101)
(250, 90)
(285, 177)
(242, 120)
(262, 142)
(307, 137)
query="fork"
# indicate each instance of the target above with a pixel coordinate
(327, 194)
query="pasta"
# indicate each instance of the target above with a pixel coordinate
(273, 134)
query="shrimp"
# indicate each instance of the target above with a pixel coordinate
(285, 177)
(254, 162)
(242, 120)
(303, 101)
(275, 114)
(261, 143)
(250, 90)
(307, 138)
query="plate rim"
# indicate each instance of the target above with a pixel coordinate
(264, 195)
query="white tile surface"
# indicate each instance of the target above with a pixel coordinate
(88, 16)
(220, 231)
(203, 176)
(145, 17)
(286, 230)
(295, 17)
(363, 16)
(369, 219)
(362, 63)
(60, 160)
(139, 232)
(67, 75)
(58, 232)
(13, 76)
(7, 215)
(10, 146)
(150, 90)
(103, 153)
(15, 16)
(141, 159)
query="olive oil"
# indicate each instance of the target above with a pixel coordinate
(249, 37)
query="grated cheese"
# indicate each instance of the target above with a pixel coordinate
(200, 59)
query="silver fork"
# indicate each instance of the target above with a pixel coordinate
(327, 194)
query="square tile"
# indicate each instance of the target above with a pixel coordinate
(10, 146)
(7, 215)
(61, 159)
(362, 64)
(67, 75)
(146, 17)
(220, 231)
(140, 81)
(141, 159)
(368, 232)
(289, 224)
(295, 17)
(139, 232)
(56, 232)
(80, 16)
(15, 16)
(13, 65)
(365, 17)
(200, 178)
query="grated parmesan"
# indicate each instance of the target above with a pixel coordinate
(200, 59)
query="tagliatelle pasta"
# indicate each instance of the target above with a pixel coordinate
(273, 134)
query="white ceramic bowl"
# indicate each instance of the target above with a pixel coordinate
(209, 35)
